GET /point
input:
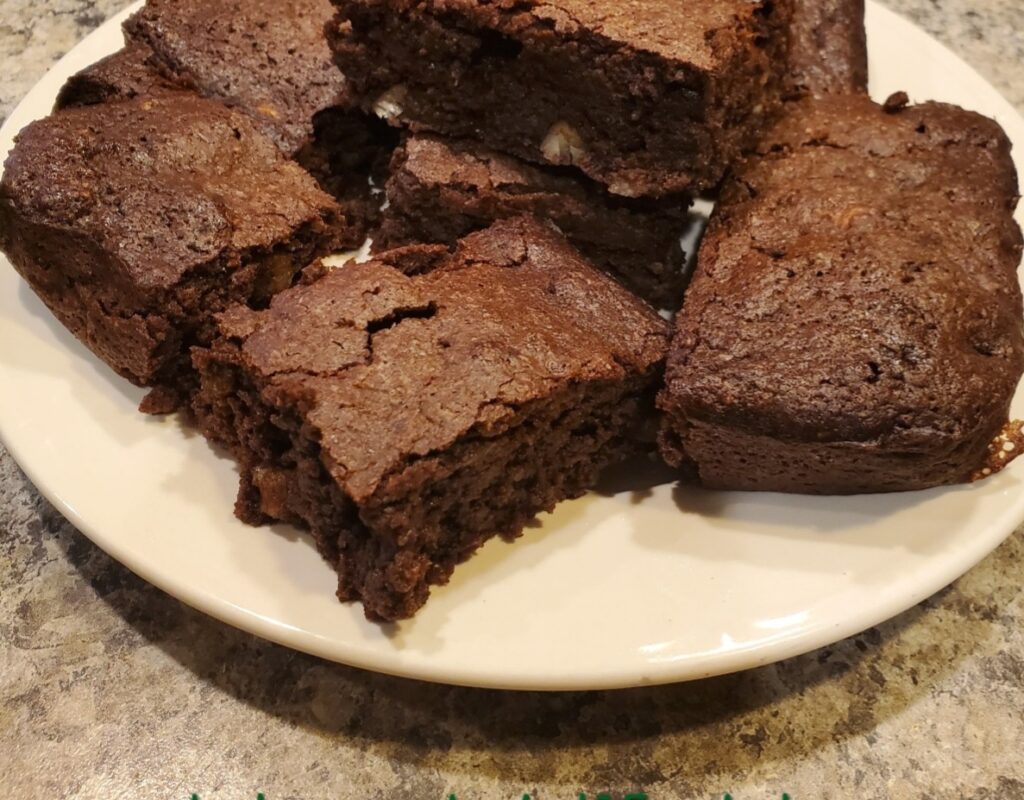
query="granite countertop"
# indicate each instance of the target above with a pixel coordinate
(111, 689)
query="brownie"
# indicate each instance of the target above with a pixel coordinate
(136, 221)
(642, 97)
(854, 323)
(121, 76)
(443, 189)
(270, 59)
(828, 48)
(407, 416)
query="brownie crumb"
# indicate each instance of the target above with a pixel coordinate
(896, 102)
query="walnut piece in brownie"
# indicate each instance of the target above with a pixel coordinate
(644, 97)
(828, 48)
(136, 221)
(443, 189)
(270, 59)
(854, 323)
(406, 419)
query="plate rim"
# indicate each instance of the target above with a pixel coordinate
(794, 642)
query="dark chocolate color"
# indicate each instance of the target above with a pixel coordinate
(828, 48)
(407, 419)
(649, 99)
(854, 323)
(126, 74)
(442, 189)
(136, 221)
(270, 59)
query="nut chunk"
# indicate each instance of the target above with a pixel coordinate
(647, 97)
(135, 222)
(407, 419)
(854, 322)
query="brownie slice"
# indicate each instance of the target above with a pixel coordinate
(828, 48)
(121, 76)
(270, 59)
(136, 221)
(443, 189)
(645, 97)
(855, 322)
(406, 419)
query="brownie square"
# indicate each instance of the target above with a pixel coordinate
(828, 48)
(270, 59)
(443, 189)
(644, 97)
(407, 418)
(854, 323)
(136, 221)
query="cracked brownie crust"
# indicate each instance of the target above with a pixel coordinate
(873, 343)
(136, 221)
(442, 189)
(406, 419)
(644, 99)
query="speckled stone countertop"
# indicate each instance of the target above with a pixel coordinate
(110, 689)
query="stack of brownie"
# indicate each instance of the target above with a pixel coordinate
(605, 118)
(525, 172)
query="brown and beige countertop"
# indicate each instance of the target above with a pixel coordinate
(111, 689)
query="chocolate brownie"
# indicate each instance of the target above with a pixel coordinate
(136, 221)
(442, 189)
(121, 76)
(828, 48)
(854, 323)
(270, 59)
(406, 419)
(645, 97)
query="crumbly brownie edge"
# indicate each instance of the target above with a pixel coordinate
(145, 335)
(581, 121)
(348, 156)
(554, 450)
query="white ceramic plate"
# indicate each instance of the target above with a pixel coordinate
(613, 591)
